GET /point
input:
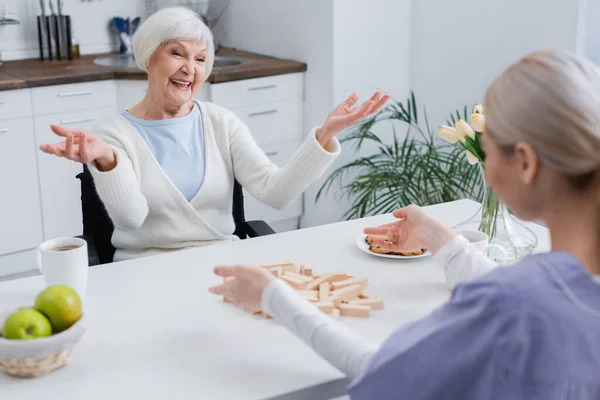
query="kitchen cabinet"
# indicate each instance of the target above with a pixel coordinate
(59, 189)
(20, 212)
(41, 199)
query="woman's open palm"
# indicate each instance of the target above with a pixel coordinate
(78, 146)
(344, 115)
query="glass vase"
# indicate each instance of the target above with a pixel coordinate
(504, 230)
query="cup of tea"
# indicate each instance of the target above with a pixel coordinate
(64, 261)
(481, 242)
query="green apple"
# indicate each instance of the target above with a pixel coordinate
(26, 324)
(61, 305)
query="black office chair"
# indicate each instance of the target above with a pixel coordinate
(98, 227)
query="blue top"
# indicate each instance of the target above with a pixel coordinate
(178, 146)
(531, 331)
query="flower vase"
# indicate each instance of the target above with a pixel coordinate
(494, 219)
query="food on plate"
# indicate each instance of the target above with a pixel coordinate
(380, 250)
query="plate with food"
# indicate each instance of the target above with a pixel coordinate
(366, 244)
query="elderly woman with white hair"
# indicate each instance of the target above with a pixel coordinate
(165, 168)
(530, 331)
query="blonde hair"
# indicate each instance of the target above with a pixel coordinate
(551, 100)
(170, 24)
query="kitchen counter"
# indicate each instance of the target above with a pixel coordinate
(34, 73)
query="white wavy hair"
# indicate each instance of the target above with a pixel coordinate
(551, 100)
(171, 24)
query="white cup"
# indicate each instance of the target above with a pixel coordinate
(482, 243)
(64, 261)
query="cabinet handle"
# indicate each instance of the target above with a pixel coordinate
(75, 121)
(266, 112)
(74, 94)
(272, 153)
(3, 130)
(255, 88)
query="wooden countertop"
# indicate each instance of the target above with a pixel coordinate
(34, 73)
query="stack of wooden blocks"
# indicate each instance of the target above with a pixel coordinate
(333, 293)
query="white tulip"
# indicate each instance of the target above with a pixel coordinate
(478, 122)
(448, 134)
(463, 130)
(478, 109)
(471, 158)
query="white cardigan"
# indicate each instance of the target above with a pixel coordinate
(151, 215)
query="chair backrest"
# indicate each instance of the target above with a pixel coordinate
(98, 225)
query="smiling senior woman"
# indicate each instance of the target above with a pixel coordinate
(165, 168)
(531, 331)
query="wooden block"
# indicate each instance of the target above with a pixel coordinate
(307, 292)
(312, 299)
(289, 268)
(324, 291)
(338, 276)
(307, 271)
(335, 313)
(265, 315)
(367, 296)
(349, 282)
(304, 278)
(348, 293)
(293, 282)
(354, 310)
(375, 304)
(335, 300)
(277, 271)
(269, 266)
(325, 306)
(326, 278)
(317, 282)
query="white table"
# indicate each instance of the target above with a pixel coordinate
(154, 332)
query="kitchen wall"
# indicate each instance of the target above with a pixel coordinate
(459, 47)
(447, 52)
(349, 45)
(90, 25)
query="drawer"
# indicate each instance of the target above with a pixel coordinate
(15, 263)
(59, 188)
(77, 96)
(255, 209)
(258, 91)
(15, 103)
(273, 123)
(20, 213)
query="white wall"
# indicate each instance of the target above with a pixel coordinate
(90, 25)
(460, 46)
(348, 45)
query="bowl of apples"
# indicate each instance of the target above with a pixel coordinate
(36, 340)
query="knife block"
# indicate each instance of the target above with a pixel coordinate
(54, 37)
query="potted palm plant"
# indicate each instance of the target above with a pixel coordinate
(417, 168)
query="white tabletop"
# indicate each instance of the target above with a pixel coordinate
(154, 332)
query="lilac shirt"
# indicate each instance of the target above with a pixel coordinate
(531, 331)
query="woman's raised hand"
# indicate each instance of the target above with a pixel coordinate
(345, 115)
(80, 146)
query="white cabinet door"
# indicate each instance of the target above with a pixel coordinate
(16, 263)
(251, 92)
(20, 214)
(60, 189)
(15, 103)
(274, 122)
(74, 96)
(256, 210)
